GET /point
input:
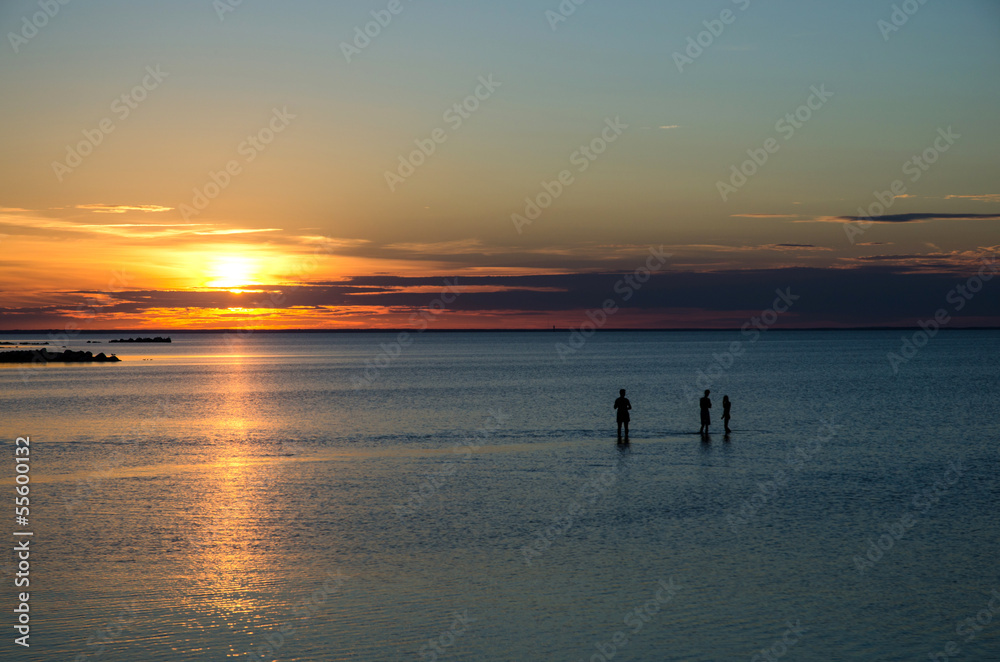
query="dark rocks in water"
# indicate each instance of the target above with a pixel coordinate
(45, 356)
(156, 339)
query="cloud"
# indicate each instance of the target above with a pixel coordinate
(795, 247)
(236, 231)
(988, 197)
(939, 261)
(32, 224)
(122, 209)
(918, 217)
(716, 248)
(457, 247)
(868, 293)
(937, 258)
(765, 216)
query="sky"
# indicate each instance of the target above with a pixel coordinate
(246, 164)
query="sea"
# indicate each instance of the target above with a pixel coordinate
(462, 496)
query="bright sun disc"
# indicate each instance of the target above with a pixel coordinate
(232, 272)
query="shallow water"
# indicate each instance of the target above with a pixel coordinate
(236, 492)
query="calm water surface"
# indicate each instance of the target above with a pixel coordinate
(225, 494)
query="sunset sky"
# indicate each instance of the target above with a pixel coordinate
(121, 119)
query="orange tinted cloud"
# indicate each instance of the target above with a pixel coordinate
(121, 209)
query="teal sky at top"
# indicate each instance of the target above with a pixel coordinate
(608, 59)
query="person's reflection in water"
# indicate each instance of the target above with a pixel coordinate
(726, 416)
(623, 406)
(706, 416)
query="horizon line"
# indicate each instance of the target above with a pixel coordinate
(497, 330)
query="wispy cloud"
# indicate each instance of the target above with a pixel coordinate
(236, 231)
(794, 247)
(457, 247)
(122, 209)
(918, 217)
(716, 248)
(938, 261)
(988, 197)
(765, 216)
(32, 223)
(330, 242)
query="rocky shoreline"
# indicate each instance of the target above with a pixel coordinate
(45, 356)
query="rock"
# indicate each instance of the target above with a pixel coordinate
(45, 356)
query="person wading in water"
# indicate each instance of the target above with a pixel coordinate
(726, 406)
(706, 416)
(623, 406)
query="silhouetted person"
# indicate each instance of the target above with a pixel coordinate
(726, 406)
(706, 416)
(623, 406)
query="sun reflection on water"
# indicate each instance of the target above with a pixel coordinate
(228, 516)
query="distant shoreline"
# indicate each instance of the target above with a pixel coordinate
(533, 330)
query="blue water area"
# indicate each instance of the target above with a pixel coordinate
(340, 497)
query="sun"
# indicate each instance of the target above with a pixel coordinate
(231, 272)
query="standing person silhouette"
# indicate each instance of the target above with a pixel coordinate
(706, 416)
(726, 406)
(623, 406)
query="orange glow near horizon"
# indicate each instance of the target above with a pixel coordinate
(77, 274)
